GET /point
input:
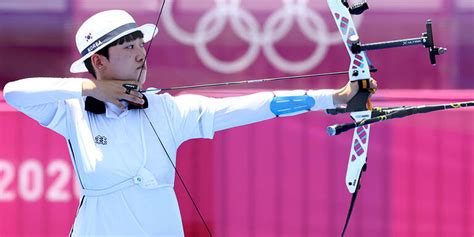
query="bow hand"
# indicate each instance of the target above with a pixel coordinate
(355, 94)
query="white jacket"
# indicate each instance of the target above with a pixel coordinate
(125, 174)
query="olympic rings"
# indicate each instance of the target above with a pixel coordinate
(247, 28)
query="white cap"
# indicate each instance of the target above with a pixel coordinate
(104, 28)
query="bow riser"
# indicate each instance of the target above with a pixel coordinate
(359, 69)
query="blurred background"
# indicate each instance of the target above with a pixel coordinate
(283, 177)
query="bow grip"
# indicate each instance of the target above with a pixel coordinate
(361, 99)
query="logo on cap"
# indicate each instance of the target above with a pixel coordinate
(94, 45)
(88, 37)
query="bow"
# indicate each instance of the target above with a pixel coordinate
(359, 70)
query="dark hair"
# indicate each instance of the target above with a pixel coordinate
(105, 51)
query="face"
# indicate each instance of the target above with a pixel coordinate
(125, 62)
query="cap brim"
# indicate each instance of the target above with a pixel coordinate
(149, 31)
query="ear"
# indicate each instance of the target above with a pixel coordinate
(99, 62)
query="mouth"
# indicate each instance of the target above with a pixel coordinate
(143, 67)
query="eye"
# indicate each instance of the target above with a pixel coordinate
(130, 46)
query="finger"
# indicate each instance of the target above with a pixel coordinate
(373, 84)
(136, 93)
(133, 99)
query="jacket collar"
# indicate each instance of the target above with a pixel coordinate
(96, 106)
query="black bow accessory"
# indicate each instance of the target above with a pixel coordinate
(96, 106)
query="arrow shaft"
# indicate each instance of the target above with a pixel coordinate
(248, 81)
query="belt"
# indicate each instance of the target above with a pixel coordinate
(144, 179)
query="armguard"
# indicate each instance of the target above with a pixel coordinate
(291, 104)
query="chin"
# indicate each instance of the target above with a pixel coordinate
(142, 78)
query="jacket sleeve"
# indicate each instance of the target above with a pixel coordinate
(195, 116)
(44, 99)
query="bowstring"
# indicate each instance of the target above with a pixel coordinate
(151, 124)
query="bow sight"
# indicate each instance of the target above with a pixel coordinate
(426, 40)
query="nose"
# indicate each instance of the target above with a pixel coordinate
(141, 54)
